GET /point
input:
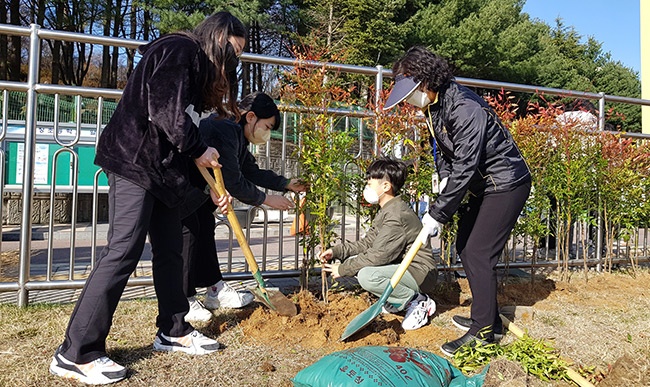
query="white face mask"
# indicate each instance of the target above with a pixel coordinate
(419, 99)
(260, 136)
(370, 195)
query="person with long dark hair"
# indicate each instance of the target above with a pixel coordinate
(147, 150)
(242, 177)
(476, 155)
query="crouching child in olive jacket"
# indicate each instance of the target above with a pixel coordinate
(374, 258)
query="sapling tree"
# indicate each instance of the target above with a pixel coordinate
(624, 183)
(324, 150)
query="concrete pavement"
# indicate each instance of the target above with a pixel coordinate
(52, 256)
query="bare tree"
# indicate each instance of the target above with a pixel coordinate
(14, 50)
(4, 42)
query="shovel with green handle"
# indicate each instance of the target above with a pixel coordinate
(270, 297)
(368, 315)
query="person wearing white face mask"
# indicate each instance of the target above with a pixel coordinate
(476, 155)
(375, 257)
(242, 176)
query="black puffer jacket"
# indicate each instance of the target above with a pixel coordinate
(473, 149)
(153, 134)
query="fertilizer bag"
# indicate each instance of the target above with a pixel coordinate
(384, 366)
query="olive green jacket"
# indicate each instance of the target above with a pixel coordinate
(389, 238)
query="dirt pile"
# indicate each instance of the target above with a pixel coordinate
(319, 325)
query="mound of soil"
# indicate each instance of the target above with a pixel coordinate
(628, 371)
(319, 325)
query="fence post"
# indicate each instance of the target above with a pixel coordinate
(601, 111)
(599, 233)
(28, 166)
(379, 84)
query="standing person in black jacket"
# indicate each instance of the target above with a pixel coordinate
(474, 154)
(242, 176)
(146, 149)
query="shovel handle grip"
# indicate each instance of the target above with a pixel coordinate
(217, 185)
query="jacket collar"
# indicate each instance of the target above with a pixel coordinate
(392, 202)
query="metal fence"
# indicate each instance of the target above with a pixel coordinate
(279, 253)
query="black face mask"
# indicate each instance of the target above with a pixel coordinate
(231, 61)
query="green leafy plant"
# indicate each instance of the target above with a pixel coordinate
(324, 150)
(537, 358)
(577, 174)
(623, 184)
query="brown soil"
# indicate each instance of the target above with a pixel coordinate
(9, 265)
(319, 325)
(601, 324)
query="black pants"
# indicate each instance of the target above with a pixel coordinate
(200, 263)
(133, 212)
(483, 231)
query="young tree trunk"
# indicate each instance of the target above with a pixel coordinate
(330, 26)
(130, 53)
(117, 25)
(40, 12)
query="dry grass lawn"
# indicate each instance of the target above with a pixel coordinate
(603, 325)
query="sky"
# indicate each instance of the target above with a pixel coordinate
(614, 23)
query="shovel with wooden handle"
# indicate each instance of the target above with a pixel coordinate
(366, 317)
(270, 297)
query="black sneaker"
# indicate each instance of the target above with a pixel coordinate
(464, 323)
(98, 371)
(451, 347)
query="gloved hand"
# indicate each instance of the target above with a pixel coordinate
(432, 226)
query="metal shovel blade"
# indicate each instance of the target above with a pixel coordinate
(275, 300)
(366, 317)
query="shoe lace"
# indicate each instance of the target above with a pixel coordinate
(196, 304)
(104, 360)
(228, 289)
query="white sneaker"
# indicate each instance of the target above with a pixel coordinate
(222, 295)
(418, 312)
(197, 311)
(98, 371)
(193, 343)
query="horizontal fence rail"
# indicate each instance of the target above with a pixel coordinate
(279, 253)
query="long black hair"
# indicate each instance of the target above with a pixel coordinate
(423, 65)
(212, 34)
(262, 105)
